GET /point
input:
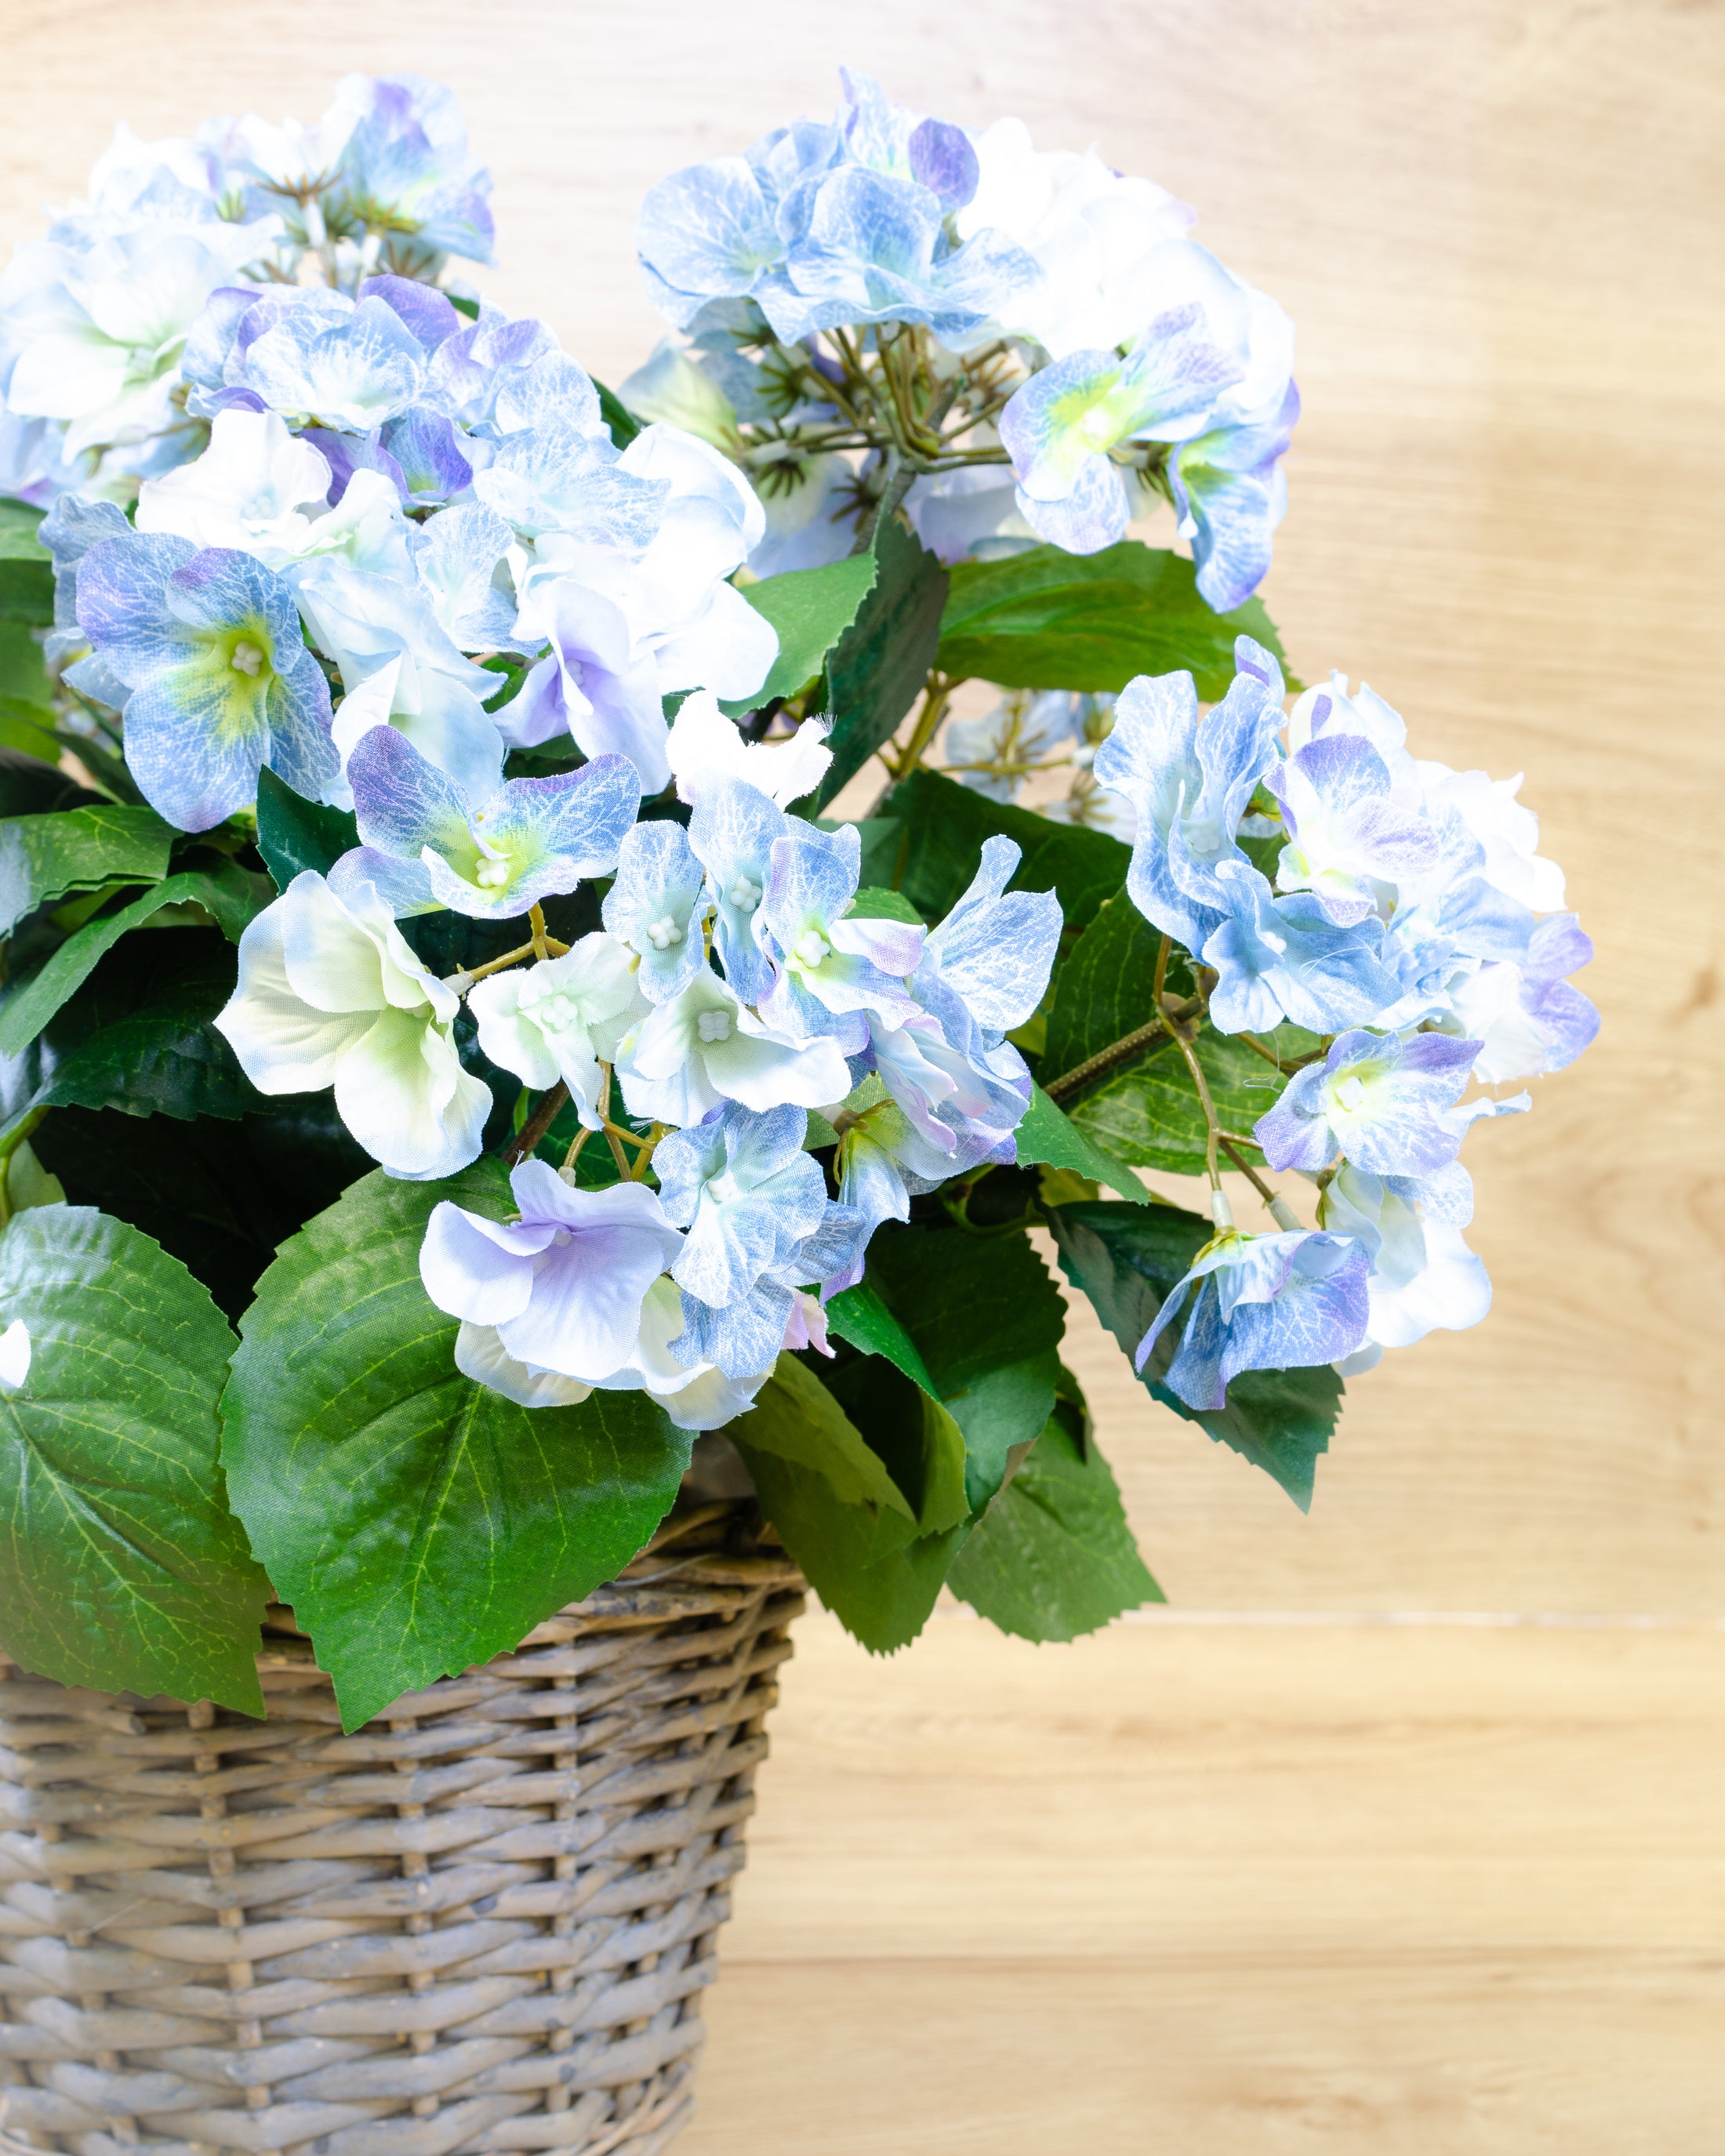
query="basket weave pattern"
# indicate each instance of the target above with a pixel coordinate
(481, 1922)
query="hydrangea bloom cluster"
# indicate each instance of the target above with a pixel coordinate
(1020, 344)
(1397, 909)
(493, 748)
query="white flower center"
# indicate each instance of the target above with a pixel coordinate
(662, 933)
(722, 1189)
(248, 659)
(744, 895)
(1351, 1095)
(810, 947)
(554, 1012)
(714, 1025)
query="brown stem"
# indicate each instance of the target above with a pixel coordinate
(1104, 1059)
(526, 1139)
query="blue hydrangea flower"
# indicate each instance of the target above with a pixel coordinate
(531, 839)
(983, 971)
(732, 832)
(1422, 1277)
(458, 556)
(1189, 782)
(750, 1197)
(1347, 832)
(1230, 493)
(655, 905)
(221, 683)
(1060, 425)
(406, 169)
(1284, 958)
(832, 969)
(1210, 374)
(875, 249)
(1527, 1016)
(319, 358)
(1285, 1301)
(1383, 1102)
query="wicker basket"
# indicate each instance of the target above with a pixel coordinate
(482, 1923)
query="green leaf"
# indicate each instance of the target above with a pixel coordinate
(223, 889)
(26, 692)
(1126, 1263)
(617, 416)
(1048, 1135)
(811, 609)
(137, 1036)
(26, 567)
(221, 1194)
(841, 1514)
(1053, 1557)
(44, 857)
(418, 1523)
(872, 903)
(295, 835)
(857, 1315)
(946, 825)
(121, 1566)
(1150, 1114)
(986, 1320)
(880, 666)
(1105, 988)
(1047, 619)
(796, 1419)
(28, 789)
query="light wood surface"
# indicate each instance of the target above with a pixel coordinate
(1273, 1888)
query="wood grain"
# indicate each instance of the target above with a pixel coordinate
(1246, 1892)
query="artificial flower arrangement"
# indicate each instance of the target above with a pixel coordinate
(433, 948)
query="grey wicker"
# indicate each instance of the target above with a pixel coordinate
(482, 1923)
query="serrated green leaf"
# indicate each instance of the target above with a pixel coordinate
(857, 1315)
(222, 888)
(1053, 1557)
(221, 1195)
(1047, 619)
(986, 1321)
(882, 1600)
(45, 857)
(1126, 1263)
(121, 1566)
(947, 824)
(295, 835)
(811, 609)
(26, 566)
(875, 1552)
(1048, 1135)
(795, 1418)
(418, 1523)
(1150, 1115)
(879, 666)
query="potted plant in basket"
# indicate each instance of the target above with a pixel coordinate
(504, 909)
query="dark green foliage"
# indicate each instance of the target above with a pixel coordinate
(295, 835)
(418, 1523)
(1047, 619)
(44, 857)
(121, 1566)
(880, 664)
(946, 824)
(875, 1554)
(1126, 1263)
(220, 1195)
